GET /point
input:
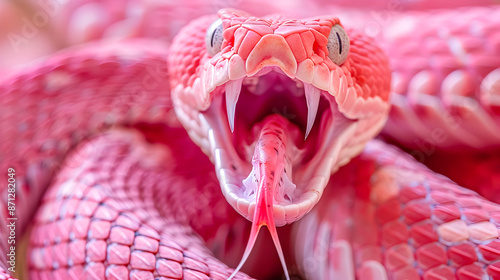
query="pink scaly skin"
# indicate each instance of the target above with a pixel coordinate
(136, 94)
(387, 217)
(120, 207)
(130, 218)
(449, 101)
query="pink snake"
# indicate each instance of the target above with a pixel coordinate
(97, 136)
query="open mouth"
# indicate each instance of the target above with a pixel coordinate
(267, 112)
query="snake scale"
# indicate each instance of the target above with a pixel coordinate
(162, 154)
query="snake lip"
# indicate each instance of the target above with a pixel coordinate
(311, 161)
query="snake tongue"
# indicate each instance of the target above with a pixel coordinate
(269, 166)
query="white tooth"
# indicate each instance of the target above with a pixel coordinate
(233, 89)
(312, 97)
(251, 83)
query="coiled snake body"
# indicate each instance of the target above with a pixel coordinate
(104, 137)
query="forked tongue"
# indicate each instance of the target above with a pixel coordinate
(268, 167)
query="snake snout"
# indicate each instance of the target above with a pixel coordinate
(271, 50)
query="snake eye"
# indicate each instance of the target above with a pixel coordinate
(214, 38)
(338, 45)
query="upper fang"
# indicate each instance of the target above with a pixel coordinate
(312, 97)
(233, 89)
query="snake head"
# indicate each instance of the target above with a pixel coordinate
(277, 104)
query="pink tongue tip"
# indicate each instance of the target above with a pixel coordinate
(269, 156)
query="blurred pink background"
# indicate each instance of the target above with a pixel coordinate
(30, 29)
